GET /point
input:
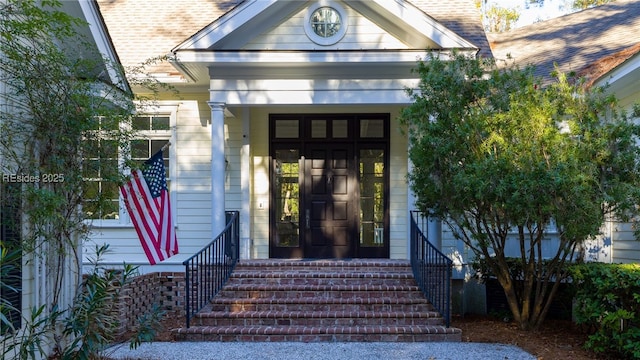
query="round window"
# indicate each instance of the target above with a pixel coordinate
(325, 22)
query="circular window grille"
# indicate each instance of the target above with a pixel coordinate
(326, 22)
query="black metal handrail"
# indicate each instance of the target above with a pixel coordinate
(208, 270)
(431, 268)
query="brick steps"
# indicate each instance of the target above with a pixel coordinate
(318, 318)
(321, 300)
(320, 333)
(318, 304)
(242, 291)
(310, 278)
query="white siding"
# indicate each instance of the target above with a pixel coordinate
(626, 249)
(260, 182)
(290, 35)
(398, 189)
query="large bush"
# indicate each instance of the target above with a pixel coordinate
(608, 304)
(501, 159)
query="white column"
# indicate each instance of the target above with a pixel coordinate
(218, 164)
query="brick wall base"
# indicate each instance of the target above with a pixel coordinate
(165, 290)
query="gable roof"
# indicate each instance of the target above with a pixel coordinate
(251, 18)
(144, 29)
(572, 41)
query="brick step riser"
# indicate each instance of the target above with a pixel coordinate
(326, 269)
(309, 294)
(321, 281)
(323, 338)
(323, 307)
(205, 321)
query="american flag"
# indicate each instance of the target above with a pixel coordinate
(146, 197)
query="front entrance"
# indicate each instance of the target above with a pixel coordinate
(329, 186)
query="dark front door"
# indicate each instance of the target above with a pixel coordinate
(329, 199)
(329, 186)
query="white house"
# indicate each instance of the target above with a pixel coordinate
(287, 112)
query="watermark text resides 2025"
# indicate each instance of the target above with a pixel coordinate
(26, 178)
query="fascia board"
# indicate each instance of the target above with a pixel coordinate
(627, 69)
(103, 43)
(225, 25)
(623, 81)
(257, 57)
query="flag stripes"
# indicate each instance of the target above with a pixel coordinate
(147, 200)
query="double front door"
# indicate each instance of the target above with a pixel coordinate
(328, 196)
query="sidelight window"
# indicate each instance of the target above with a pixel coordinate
(372, 192)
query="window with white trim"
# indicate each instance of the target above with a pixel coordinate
(102, 200)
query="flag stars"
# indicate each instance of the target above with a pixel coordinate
(155, 176)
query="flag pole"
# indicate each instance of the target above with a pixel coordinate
(166, 146)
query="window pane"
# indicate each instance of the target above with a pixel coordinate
(108, 169)
(287, 129)
(372, 128)
(139, 149)
(372, 197)
(109, 149)
(91, 169)
(340, 129)
(156, 145)
(91, 190)
(319, 129)
(160, 123)
(140, 123)
(286, 175)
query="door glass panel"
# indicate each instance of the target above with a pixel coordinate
(371, 167)
(287, 171)
(372, 128)
(340, 129)
(318, 129)
(287, 129)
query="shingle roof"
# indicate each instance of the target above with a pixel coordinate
(142, 29)
(145, 29)
(460, 16)
(572, 41)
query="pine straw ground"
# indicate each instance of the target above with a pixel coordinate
(556, 340)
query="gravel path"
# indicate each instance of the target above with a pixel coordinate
(320, 351)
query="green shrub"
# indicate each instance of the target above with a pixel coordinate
(608, 304)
